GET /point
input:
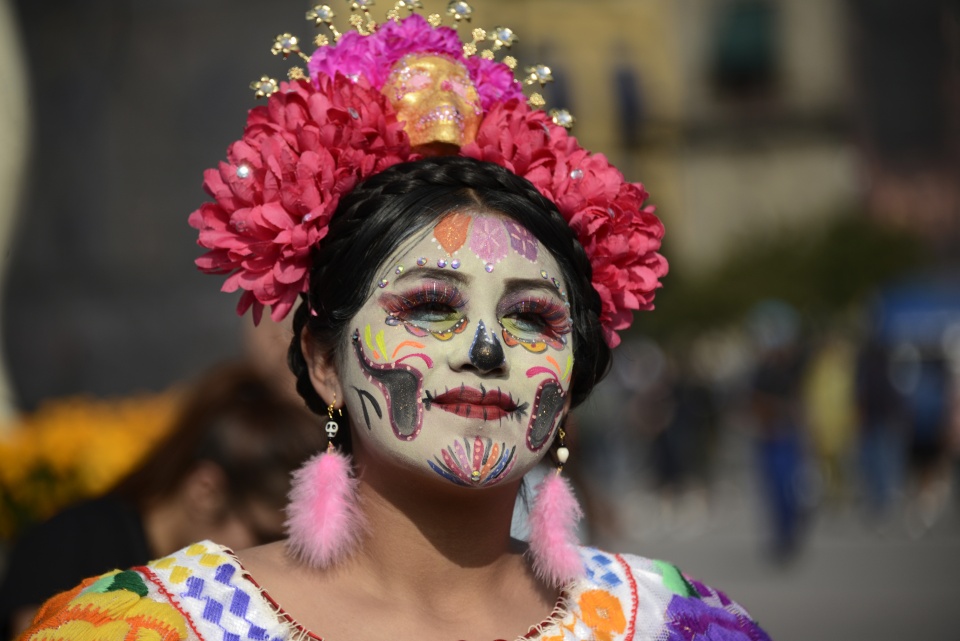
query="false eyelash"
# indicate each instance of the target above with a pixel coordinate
(426, 294)
(554, 314)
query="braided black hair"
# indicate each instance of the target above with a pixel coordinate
(382, 212)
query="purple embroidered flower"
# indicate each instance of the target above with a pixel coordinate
(690, 619)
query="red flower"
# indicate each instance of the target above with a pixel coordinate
(312, 143)
(274, 198)
(621, 236)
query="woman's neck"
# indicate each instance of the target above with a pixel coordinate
(438, 536)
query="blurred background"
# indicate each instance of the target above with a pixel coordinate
(785, 426)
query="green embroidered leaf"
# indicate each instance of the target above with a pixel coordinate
(674, 581)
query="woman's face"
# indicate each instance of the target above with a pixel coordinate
(459, 363)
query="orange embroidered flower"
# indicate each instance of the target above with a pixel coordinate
(602, 612)
(111, 608)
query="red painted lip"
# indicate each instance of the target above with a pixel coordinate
(473, 403)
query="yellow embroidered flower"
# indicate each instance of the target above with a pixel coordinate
(110, 608)
(602, 612)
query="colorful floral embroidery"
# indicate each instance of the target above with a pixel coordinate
(603, 613)
(111, 608)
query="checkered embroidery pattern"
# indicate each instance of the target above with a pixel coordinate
(209, 586)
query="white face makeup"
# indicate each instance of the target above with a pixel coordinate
(459, 363)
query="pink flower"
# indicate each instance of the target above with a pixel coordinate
(372, 57)
(494, 81)
(314, 141)
(274, 199)
(619, 234)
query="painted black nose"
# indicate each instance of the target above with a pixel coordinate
(486, 353)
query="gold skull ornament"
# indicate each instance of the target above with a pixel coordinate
(436, 100)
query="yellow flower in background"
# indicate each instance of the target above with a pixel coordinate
(74, 448)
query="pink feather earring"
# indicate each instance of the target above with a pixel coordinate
(553, 526)
(324, 523)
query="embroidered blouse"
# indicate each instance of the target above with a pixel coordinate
(202, 593)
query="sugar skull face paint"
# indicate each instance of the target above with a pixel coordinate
(444, 377)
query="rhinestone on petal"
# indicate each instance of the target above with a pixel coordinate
(353, 113)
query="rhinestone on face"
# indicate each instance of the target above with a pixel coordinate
(488, 267)
(455, 263)
(398, 270)
(475, 475)
(243, 171)
(383, 283)
(441, 263)
(421, 261)
(543, 274)
(576, 174)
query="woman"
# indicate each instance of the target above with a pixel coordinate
(462, 267)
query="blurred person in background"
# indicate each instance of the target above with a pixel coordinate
(882, 418)
(829, 402)
(776, 409)
(928, 385)
(222, 472)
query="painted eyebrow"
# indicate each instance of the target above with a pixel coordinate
(526, 284)
(423, 273)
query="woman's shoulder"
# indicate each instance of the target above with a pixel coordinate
(628, 597)
(199, 593)
(115, 605)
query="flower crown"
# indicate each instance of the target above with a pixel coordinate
(317, 137)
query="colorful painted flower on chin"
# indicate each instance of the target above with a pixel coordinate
(461, 359)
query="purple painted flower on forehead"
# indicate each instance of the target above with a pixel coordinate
(522, 241)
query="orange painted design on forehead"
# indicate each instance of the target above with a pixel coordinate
(451, 231)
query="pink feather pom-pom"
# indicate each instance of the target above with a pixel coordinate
(553, 532)
(324, 523)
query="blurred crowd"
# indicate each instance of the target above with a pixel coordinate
(842, 416)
